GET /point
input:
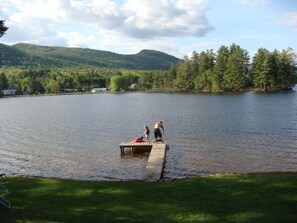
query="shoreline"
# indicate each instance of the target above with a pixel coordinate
(142, 180)
(255, 90)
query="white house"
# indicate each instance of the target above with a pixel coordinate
(95, 90)
(10, 91)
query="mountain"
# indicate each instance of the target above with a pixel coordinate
(23, 54)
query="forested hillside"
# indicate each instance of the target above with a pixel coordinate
(228, 69)
(28, 55)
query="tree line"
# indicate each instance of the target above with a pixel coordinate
(54, 80)
(228, 69)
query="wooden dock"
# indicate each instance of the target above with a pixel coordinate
(155, 164)
(136, 146)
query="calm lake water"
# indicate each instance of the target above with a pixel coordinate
(77, 136)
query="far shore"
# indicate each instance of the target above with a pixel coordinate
(150, 91)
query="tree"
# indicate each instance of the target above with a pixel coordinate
(195, 62)
(79, 80)
(286, 68)
(261, 69)
(27, 85)
(234, 77)
(185, 75)
(220, 68)
(3, 82)
(274, 70)
(203, 81)
(65, 81)
(273, 61)
(54, 87)
(117, 83)
(206, 61)
(3, 28)
(172, 73)
(146, 81)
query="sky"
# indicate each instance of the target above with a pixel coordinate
(176, 27)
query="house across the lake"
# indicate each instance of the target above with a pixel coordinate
(95, 90)
(9, 91)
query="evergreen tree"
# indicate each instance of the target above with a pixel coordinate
(172, 73)
(273, 70)
(204, 81)
(261, 69)
(220, 68)
(273, 62)
(206, 63)
(185, 75)
(234, 78)
(195, 63)
(3, 28)
(3, 82)
(146, 81)
(286, 64)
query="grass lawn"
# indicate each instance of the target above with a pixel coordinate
(260, 197)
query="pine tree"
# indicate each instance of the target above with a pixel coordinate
(286, 64)
(206, 63)
(261, 68)
(220, 68)
(3, 28)
(185, 75)
(195, 62)
(273, 61)
(234, 78)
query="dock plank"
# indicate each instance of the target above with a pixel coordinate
(154, 167)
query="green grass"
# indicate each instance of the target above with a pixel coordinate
(261, 197)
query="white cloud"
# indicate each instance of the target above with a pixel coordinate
(53, 10)
(134, 18)
(75, 39)
(289, 18)
(131, 25)
(127, 26)
(167, 18)
(32, 30)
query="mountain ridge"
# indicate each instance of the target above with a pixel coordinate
(24, 54)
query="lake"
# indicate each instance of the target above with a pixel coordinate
(78, 136)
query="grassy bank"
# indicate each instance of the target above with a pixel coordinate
(261, 197)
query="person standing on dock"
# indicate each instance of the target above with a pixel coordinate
(147, 133)
(157, 131)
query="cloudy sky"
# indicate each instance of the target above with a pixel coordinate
(177, 27)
